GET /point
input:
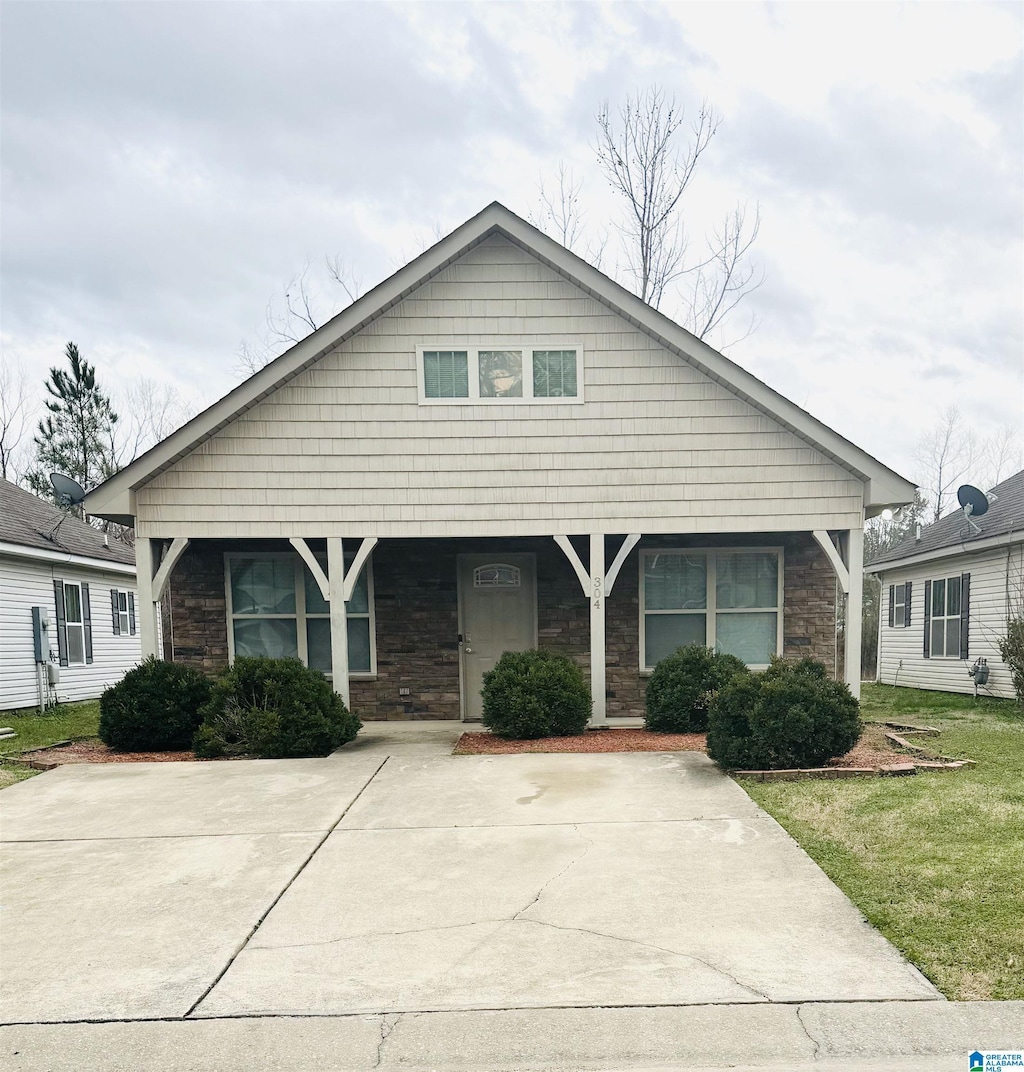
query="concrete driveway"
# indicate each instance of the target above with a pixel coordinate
(393, 879)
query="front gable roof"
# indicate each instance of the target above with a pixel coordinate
(883, 487)
(1003, 521)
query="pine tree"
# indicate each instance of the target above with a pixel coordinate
(76, 436)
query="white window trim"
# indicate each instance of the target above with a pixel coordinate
(958, 617)
(710, 611)
(300, 616)
(79, 625)
(123, 618)
(899, 613)
(473, 358)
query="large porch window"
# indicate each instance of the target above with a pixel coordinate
(729, 600)
(275, 608)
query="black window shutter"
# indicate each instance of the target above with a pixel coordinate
(927, 619)
(87, 622)
(965, 614)
(131, 613)
(892, 605)
(62, 622)
(906, 609)
(113, 610)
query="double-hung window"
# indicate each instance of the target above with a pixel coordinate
(276, 609)
(495, 375)
(74, 623)
(899, 605)
(122, 609)
(946, 606)
(727, 600)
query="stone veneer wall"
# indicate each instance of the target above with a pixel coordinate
(416, 602)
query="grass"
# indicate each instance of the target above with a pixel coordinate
(936, 861)
(62, 723)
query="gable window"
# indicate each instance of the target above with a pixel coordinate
(74, 622)
(122, 610)
(724, 599)
(276, 609)
(493, 375)
(947, 610)
(899, 605)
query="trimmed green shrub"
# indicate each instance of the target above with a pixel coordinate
(682, 685)
(1011, 648)
(154, 708)
(532, 694)
(274, 709)
(792, 715)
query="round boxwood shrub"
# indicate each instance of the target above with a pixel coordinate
(535, 694)
(682, 685)
(153, 708)
(274, 709)
(792, 715)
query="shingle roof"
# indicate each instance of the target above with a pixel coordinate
(1005, 515)
(27, 520)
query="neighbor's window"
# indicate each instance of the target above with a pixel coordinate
(277, 609)
(727, 600)
(945, 623)
(122, 608)
(899, 606)
(496, 375)
(75, 624)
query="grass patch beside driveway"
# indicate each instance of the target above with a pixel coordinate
(62, 723)
(935, 861)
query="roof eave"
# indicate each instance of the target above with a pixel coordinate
(949, 551)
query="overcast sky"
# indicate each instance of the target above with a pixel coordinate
(168, 167)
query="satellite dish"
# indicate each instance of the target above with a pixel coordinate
(974, 502)
(69, 492)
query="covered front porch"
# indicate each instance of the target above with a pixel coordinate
(425, 617)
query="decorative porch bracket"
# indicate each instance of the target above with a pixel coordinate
(848, 562)
(339, 591)
(151, 582)
(312, 564)
(596, 585)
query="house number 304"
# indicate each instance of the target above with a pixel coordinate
(597, 589)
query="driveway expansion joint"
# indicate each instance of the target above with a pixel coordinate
(284, 889)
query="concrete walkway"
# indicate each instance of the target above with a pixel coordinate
(392, 905)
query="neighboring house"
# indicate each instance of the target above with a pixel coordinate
(84, 581)
(498, 448)
(947, 594)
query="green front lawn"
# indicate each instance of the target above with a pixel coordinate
(934, 861)
(63, 723)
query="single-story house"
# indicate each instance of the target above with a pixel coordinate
(498, 448)
(948, 590)
(83, 584)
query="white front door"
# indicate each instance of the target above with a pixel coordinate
(497, 613)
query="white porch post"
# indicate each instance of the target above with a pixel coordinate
(339, 621)
(598, 678)
(144, 568)
(854, 607)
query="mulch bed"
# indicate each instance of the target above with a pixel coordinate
(610, 740)
(93, 750)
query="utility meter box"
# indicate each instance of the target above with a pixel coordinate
(41, 634)
(53, 673)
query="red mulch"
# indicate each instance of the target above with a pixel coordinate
(93, 750)
(610, 740)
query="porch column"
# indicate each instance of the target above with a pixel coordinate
(597, 585)
(598, 670)
(848, 562)
(144, 567)
(339, 621)
(854, 607)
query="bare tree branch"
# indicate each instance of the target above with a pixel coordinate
(946, 456)
(15, 419)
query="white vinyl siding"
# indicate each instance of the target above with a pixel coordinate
(996, 578)
(345, 448)
(275, 608)
(26, 583)
(730, 600)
